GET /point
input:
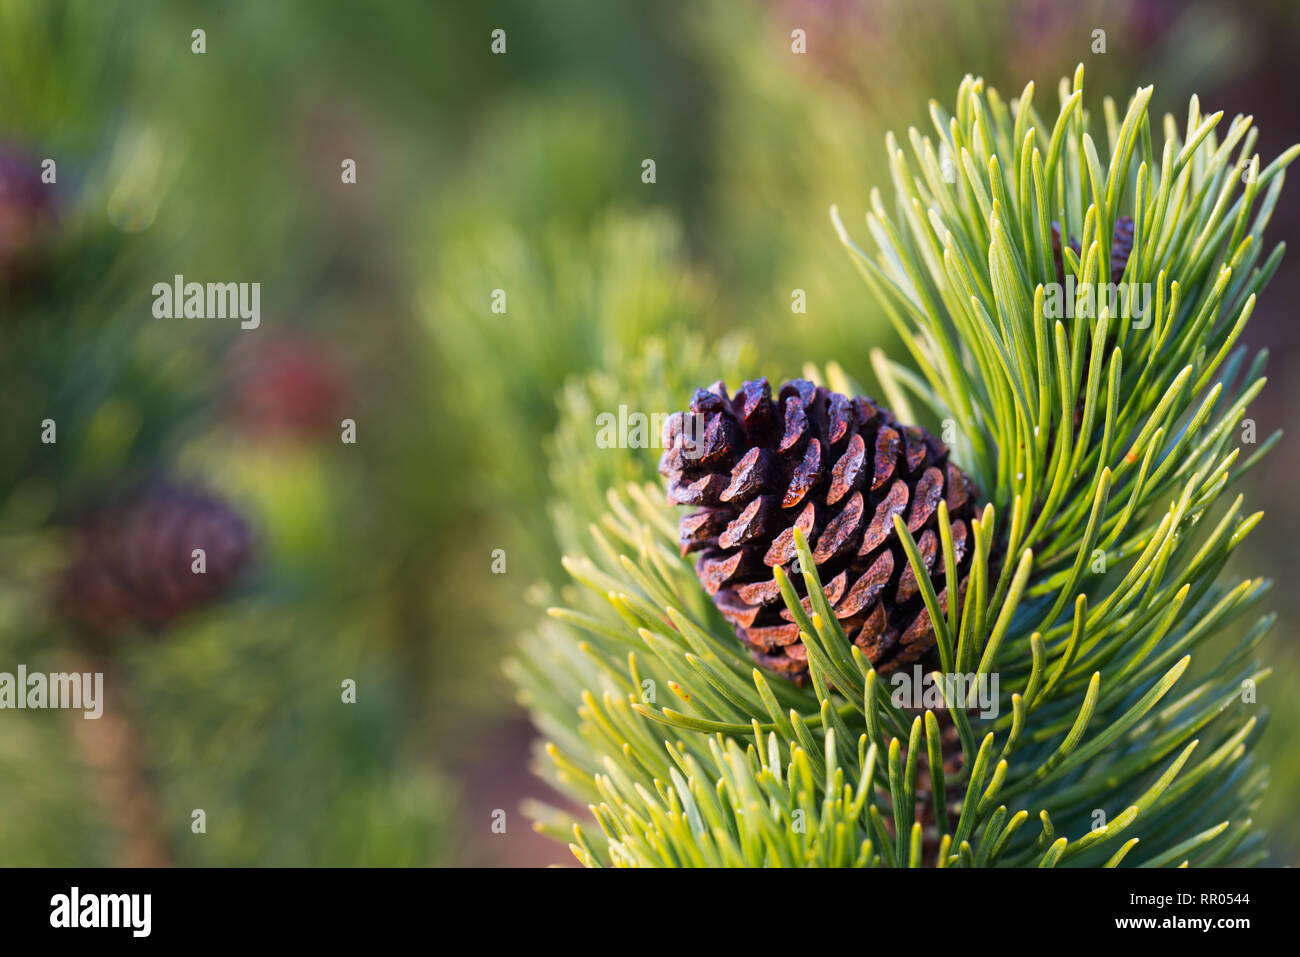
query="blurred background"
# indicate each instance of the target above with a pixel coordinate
(409, 560)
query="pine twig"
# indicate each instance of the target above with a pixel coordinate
(113, 750)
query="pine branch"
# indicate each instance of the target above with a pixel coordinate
(1103, 440)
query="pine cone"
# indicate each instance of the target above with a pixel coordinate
(1121, 247)
(133, 565)
(837, 468)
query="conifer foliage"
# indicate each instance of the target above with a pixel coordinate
(1105, 444)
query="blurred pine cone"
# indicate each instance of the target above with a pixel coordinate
(26, 217)
(132, 562)
(837, 468)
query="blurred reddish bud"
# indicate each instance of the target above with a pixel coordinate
(283, 387)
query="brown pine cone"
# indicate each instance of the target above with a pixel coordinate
(133, 564)
(837, 468)
(1121, 247)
